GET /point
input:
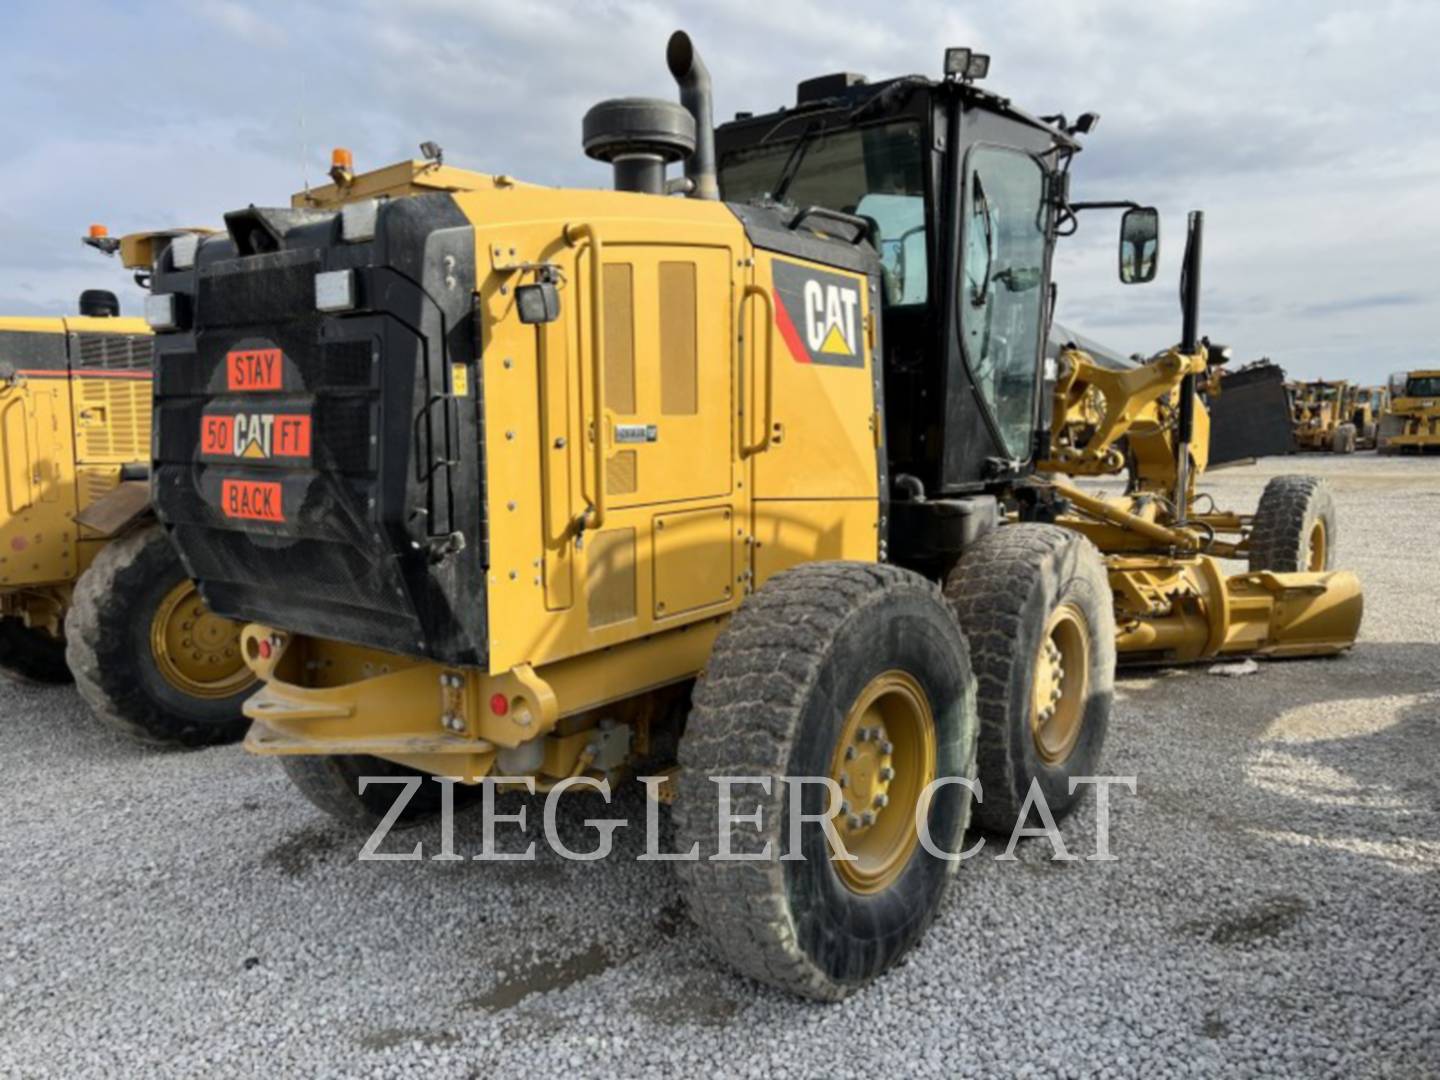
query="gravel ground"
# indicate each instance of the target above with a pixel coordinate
(1274, 906)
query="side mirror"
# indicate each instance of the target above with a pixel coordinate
(1139, 245)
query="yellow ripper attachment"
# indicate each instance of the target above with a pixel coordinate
(1184, 609)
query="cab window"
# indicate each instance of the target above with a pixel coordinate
(1423, 386)
(875, 172)
(1002, 285)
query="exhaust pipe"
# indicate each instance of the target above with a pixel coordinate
(694, 80)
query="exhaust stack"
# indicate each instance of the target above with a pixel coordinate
(694, 81)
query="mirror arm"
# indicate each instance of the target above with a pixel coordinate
(1121, 204)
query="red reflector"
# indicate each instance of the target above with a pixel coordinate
(265, 650)
(499, 704)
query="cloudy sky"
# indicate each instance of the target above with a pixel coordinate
(1306, 130)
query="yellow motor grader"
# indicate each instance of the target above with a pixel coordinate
(1322, 417)
(562, 485)
(1414, 416)
(90, 588)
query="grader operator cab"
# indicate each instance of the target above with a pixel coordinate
(90, 587)
(551, 485)
(1414, 418)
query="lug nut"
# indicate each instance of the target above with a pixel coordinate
(844, 780)
(849, 753)
(881, 801)
(887, 773)
(886, 747)
(867, 818)
(852, 822)
(845, 808)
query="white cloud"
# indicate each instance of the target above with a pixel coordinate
(244, 22)
(1304, 132)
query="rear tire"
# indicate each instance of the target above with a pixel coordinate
(812, 659)
(1295, 528)
(133, 591)
(332, 784)
(29, 654)
(1035, 604)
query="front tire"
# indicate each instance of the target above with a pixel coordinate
(852, 671)
(1294, 528)
(1034, 602)
(147, 655)
(30, 654)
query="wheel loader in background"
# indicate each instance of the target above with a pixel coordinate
(569, 484)
(90, 587)
(1413, 422)
(1322, 417)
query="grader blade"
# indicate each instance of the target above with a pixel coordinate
(1183, 610)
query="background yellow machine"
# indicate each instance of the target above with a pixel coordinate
(1414, 414)
(1322, 416)
(81, 559)
(1368, 406)
(547, 484)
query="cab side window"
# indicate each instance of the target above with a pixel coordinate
(1002, 285)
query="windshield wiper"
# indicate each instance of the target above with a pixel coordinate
(794, 161)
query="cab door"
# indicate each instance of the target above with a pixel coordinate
(1002, 287)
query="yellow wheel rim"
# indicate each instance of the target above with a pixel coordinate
(883, 761)
(1062, 675)
(1316, 550)
(196, 652)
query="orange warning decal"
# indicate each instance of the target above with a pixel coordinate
(254, 369)
(258, 500)
(259, 436)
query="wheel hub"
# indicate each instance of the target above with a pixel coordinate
(1315, 550)
(883, 761)
(1057, 708)
(196, 651)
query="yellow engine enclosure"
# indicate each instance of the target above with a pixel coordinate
(74, 409)
(652, 456)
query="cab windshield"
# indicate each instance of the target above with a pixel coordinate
(874, 172)
(1423, 386)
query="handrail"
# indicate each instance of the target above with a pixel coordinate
(593, 516)
(747, 448)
